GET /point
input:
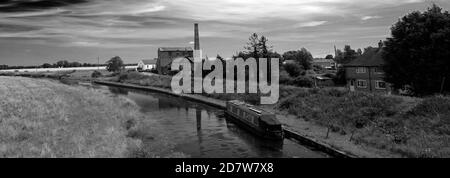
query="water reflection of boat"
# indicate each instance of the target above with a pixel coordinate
(118, 90)
(257, 142)
(258, 121)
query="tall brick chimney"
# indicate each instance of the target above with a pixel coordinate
(196, 38)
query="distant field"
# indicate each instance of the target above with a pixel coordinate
(44, 118)
(61, 69)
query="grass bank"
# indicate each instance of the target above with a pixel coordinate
(45, 118)
(410, 127)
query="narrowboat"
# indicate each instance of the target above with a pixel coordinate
(256, 120)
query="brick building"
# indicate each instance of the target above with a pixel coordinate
(365, 73)
(167, 54)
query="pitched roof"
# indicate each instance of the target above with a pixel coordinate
(175, 49)
(371, 58)
(148, 61)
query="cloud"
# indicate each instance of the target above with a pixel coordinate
(153, 23)
(309, 24)
(370, 17)
(34, 5)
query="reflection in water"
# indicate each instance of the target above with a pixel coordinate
(118, 91)
(202, 131)
(198, 115)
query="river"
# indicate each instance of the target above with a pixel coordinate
(201, 131)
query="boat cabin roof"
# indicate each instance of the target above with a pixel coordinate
(249, 107)
(268, 117)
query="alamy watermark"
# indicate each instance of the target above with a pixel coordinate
(192, 71)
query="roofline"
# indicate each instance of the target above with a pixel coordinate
(179, 49)
(354, 65)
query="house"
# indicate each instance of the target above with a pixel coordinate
(167, 54)
(147, 64)
(324, 63)
(365, 73)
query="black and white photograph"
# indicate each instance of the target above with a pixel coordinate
(264, 79)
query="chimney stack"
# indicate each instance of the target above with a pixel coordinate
(196, 40)
(380, 44)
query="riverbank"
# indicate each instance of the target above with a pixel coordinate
(45, 118)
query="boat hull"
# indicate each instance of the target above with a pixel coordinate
(255, 130)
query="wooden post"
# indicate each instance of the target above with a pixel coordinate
(98, 63)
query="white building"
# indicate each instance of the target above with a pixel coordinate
(147, 64)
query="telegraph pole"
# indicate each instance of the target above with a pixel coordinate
(98, 63)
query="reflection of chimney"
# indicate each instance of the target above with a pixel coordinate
(196, 40)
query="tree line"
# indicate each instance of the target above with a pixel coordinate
(60, 64)
(416, 56)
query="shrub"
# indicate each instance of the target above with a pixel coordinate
(340, 79)
(303, 81)
(285, 78)
(131, 76)
(431, 106)
(154, 71)
(293, 69)
(334, 92)
(96, 74)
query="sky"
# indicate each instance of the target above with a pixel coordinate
(34, 32)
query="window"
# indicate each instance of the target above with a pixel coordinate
(380, 85)
(361, 84)
(379, 70)
(361, 70)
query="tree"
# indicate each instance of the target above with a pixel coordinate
(340, 78)
(348, 55)
(303, 57)
(46, 65)
(62, 63)
(75, 64)
(265, 49)
(344, 57)
(329, 56)
(293, 69)
(417, 55)
(115, 64)
(359, 52)
(253, 45)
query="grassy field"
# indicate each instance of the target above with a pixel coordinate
(411, 127)
(45, 118)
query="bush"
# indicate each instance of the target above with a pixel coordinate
(432, 106)
(96, 74)
(154, 71)
(334, 92)
(285, 78)
(303, 81)
(293, 69)
(131, 76)
(340, 79)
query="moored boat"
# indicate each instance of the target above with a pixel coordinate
(258, 121)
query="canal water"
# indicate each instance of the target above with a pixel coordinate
(201, 131)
